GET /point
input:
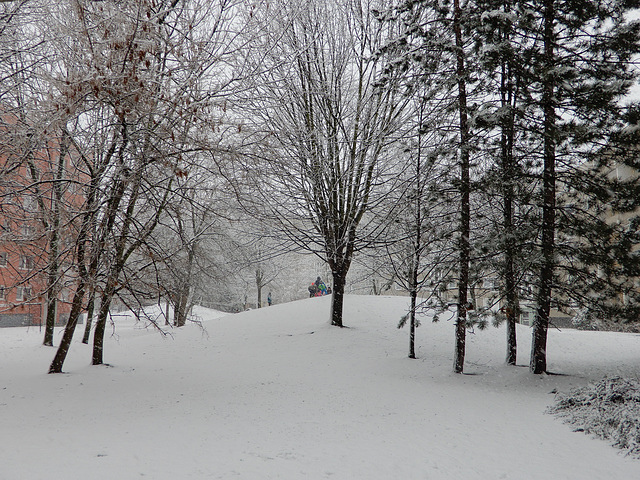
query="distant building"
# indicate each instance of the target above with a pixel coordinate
(32, 177)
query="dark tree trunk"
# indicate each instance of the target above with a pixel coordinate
(90, 308)
(93, 268)
(509, 274)
(465, 187)
(182, 304)
(511, 312)
(413, 287)
(76, 306)
(65, 343)
(122, 252)
(50, 321)
(54, 249)
(52, 289)
(181, 307)
(508, 94)
(112, 280)
(101, 325)
(337, 297)
(53, 270)
(412, 324)
(538, 362)
(259, 285)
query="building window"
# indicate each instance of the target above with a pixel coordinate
(3, 259)
(29, 203)
(23, 293)
(26, 262)
(3, 293)
(28, 231)
(489, 283)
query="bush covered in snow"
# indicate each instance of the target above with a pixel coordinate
(609, 409)
(587, 320)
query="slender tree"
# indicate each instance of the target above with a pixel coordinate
(139, 92)
(505, 61)
(591, 45)
(325, 121)
(436, 40)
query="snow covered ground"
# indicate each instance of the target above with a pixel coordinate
(277, 393)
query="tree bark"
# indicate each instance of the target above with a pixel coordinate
(53, 282)
(182, 306)
(511, 312)
(90, 308)
(65, 343)
(538, 362)
(509, 275)
(508, 93)
(337, 297)
(77, 303)
(259, 280)
(51, 223)
(415, 265)
(465, 187)
(412, 325)
(101, 325)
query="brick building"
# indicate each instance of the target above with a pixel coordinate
(40, 189)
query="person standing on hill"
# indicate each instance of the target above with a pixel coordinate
(313, 290)
(321, 288)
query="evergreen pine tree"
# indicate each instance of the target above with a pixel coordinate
(503, 54)
(581, 70)
(436, 44)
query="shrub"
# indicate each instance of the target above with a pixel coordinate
(609, 409)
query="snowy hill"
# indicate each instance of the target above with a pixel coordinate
(277, 393)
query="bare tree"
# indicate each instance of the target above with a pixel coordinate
(36, 153)
(323, 121)
(142, 77)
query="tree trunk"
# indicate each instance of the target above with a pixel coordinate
(412, 324)
(465, 187)
(414, 275)
(50, 321)
(182, 305)
(177, 310)
(337, 297)
(181, 308)
(90, 308)
(511, 312)
(53, 270)
(259, 284)
(65, 343)
(52, 283)
(538, 362)
(508, 92)
(78, 299)
(509, 274)
(101, 325)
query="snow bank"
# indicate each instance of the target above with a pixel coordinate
(277, 393)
